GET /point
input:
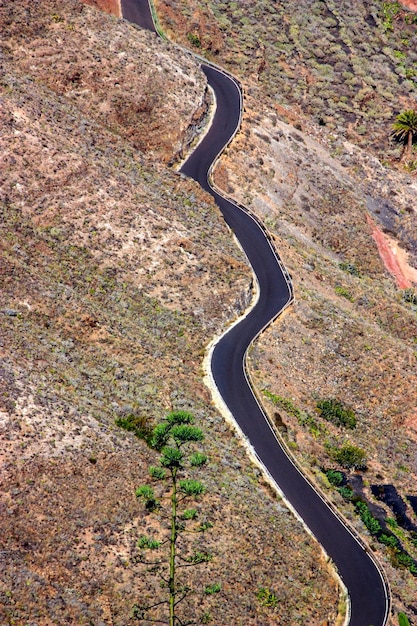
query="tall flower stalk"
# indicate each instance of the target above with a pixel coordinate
(172, 437)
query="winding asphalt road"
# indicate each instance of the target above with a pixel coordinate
(369, 601)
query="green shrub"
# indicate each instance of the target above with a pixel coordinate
(350, 456)
(189, 514)
(368, 519)
(349, 268)
(210, 589)
(409, 295)
(303, 418)
(346, 492)
(334, 477)
(137, 424)
(388, 540)
(404, 559)
(411, 166)
(194, 40)
(401, 558)
(403, 620)
(392, 522)
(148, 543)
(334, 411)
(284, 403)
(266, 597)
(342, 291)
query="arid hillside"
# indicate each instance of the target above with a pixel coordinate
(314, 160)
(115, 274)
(349, 66)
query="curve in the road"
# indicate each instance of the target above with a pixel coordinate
(368, 592)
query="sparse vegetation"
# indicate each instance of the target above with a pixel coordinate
(310, 55)
(97, 323)
(390, 11)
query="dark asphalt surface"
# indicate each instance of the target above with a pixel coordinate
(138, 12)
(357, 570)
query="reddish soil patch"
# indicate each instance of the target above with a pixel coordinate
(109, 6)
(410, 4)
(394, 263)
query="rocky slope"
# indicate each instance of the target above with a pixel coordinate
(115, 273)
(314, 161)
(350, 66)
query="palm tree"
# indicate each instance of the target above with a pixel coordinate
(404, 130)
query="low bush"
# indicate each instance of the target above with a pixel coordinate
(409, 296)
(388, 540)
(350, 456)
(403, 620)
(334, 477)
(284, 403)
(194, 40)
(350, 268)
(214, 588)
(342, 291)
(371, 523)
(335, 411)
(137, 424)
(266, 597)
(346, 492)
(302, 416)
